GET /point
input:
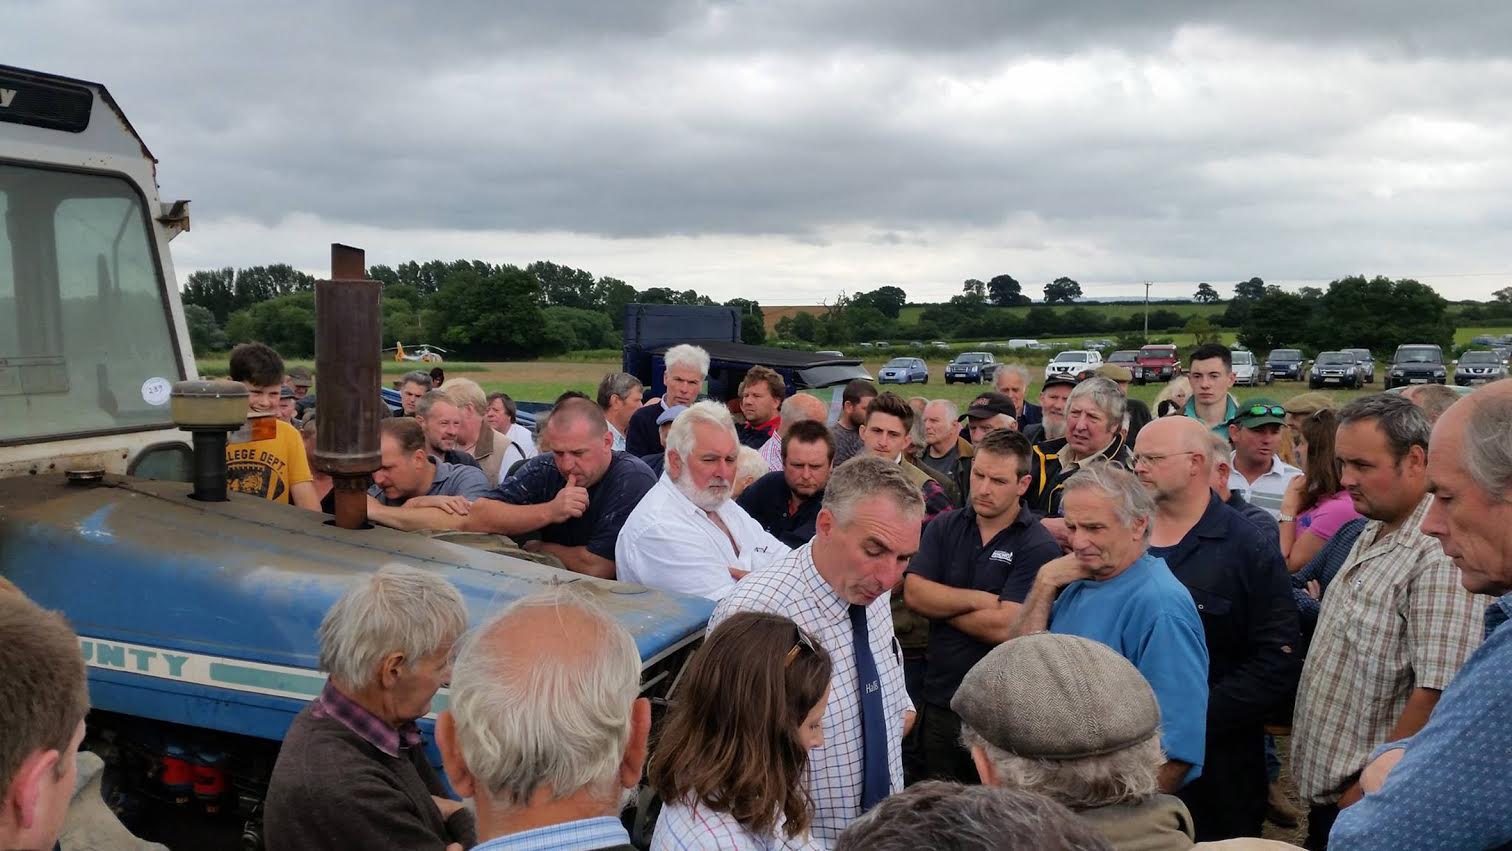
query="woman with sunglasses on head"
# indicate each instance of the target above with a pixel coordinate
(729, 763)
(1315, 504)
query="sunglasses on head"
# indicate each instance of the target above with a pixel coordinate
(802, 643)
(1264, 410)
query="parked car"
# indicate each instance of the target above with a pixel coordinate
(1335, 369)
(1484, 340)
(1022, 343)
(1479, 368)
(830, 353)
(1129, 359)
(903, 371)
(882, 344)
(863, 345)
(1247, 371)
(1159, 361)
(972, 368)
(1286, 363)
(939, 344)
(1073, 363)
(1366, 362)
(1040, 347)
(1417, 363)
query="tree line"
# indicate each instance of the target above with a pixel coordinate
(473, 308)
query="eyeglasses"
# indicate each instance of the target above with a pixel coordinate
(1263, 411)
(803, 643)
(1153, 458)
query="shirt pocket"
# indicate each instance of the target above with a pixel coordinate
(1211, 604)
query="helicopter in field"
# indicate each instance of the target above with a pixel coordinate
(423, 353)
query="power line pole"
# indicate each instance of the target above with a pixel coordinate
(1147, 311)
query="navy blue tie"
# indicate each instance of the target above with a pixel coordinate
(876, 781)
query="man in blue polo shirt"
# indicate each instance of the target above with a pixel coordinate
(973, 569)
(574, 498)
(1111, 590)
(409, 474)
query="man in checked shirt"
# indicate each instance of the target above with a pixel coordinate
(1395, 626)
(836, 589)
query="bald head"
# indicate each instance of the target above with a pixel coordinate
(801, 406)
(1182, 434)
(1173, 458)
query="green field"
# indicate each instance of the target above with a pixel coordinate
(219, 366)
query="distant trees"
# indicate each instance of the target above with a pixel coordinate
(1205, 294)
(1004, 291)
(1378, 314)
(1062, 290)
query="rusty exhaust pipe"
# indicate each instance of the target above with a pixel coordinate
(348, 338)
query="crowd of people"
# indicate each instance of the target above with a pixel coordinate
(1071, 624)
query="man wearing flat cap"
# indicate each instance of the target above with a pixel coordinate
(1110, 589)
(1069, 718)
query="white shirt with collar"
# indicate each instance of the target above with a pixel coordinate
(670, 544)
(1267, 490)
(521, 435)
(619, 438)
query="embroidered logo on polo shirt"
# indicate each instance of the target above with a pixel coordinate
(1004, 556)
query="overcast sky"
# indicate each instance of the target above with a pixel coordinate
(786, 150)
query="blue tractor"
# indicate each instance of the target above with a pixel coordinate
(196, 617)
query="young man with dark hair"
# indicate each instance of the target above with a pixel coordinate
(972, 572)
(1211, 371)
(761, 394)
(266, 457)
(854, 403)
(786, 502)
(411, 387)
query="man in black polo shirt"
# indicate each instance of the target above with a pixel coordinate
(575, 498)
(974, 568)
(786, 502)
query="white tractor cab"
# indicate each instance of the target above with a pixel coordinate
(92, 334)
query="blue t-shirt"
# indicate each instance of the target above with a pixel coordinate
(610, 500)
(1148, 617)
(1452, 788)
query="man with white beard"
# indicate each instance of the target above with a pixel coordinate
(688, 534)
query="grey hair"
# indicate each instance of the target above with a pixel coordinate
(680, 436)
(1012, 369)
(951, 411)
(1218, 449)
(936, 814)
(868, 476)
(687, 355)
(1434, 399)
(750, 463)
(1131, 501)
(559, 719)
(425, 403)
(616, 384)
(1487, 455)
(1403, 423)
(1105, 394)
(1126, 776)
(396, 609)
(416, 377)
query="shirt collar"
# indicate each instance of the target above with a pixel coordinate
(822, 593)
(1498, 613)
(1408, 534)
(580, 835)
(375, 731)
(444, 471)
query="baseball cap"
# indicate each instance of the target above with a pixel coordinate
(1060, 378)
(1121, 374)
(1059, 697)
(285, 392)
(670, 414)
(990, 405)
(301, 376)
(1308, 403)
(1259, 412)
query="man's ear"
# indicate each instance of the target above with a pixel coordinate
(452, 760)
(390, 669)
(983, 767)
(673, 462)
(635, 749)
(23, 801)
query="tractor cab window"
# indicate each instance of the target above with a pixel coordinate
(86, 344)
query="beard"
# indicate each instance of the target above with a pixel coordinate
(710, 497)
(1055, 427)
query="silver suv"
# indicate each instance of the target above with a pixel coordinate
(1479, 368)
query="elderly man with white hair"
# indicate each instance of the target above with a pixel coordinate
(686, 367)
(795, 409)
(688, 534)
(546, 728)
(352, 772)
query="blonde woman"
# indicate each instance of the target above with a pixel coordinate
(1173, 397)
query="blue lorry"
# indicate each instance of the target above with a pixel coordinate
(196, 618)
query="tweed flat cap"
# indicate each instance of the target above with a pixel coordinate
(1049, 696)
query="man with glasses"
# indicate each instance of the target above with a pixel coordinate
(1239, 582)
(1257, 471)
